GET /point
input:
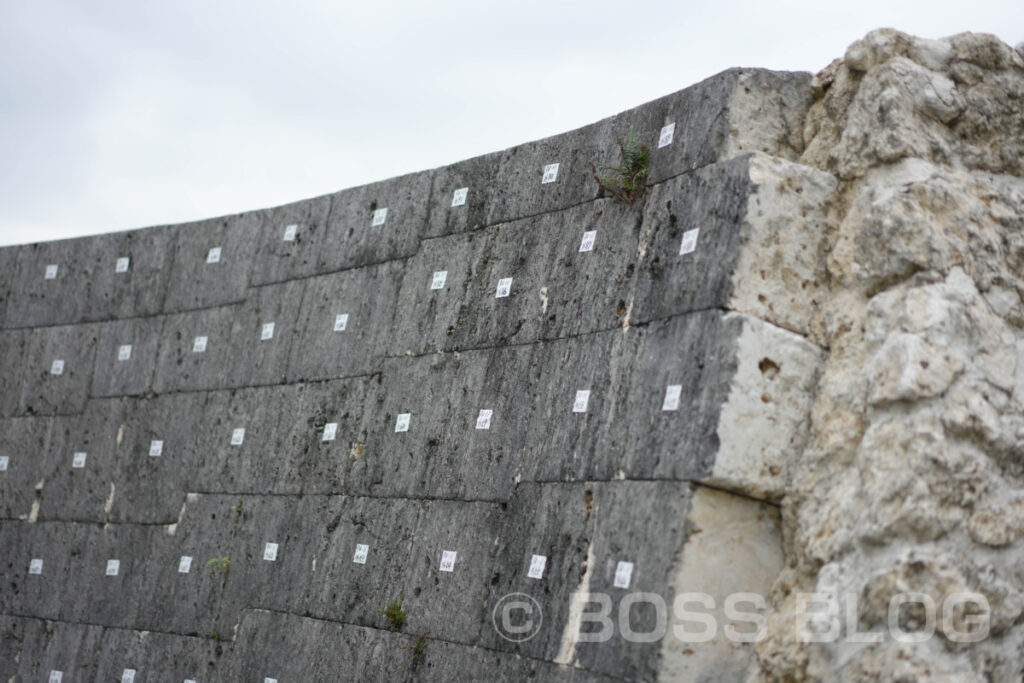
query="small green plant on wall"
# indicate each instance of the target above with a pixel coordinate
(219, 564)
(418, 648)
(394, 612)
(628, 182)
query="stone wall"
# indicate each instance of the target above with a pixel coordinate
(795, 366)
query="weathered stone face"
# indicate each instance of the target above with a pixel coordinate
(795, 366)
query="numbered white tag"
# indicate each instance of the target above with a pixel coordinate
(579, 405)
(113, 567)
(269, 680)
(5, 461)
(587, 243)
(57, 367)
(448, 560)
(122, 265)
(289, 232)
(35, 566)
(78, 460)
(128, 676)
(672, 394)
(689, 243)
(340, 322)
(379, 216)
(56, 676)
(459, 196)
(483, 420)
(504, 287)
(189, 680)
(213, 256)
(550, 174)
(237, 436)
(51, 272)
(438, 279)
(537, 564)
(185, 564)
(402, 422)
(156, 448)
(623, 574)
(270, 552)
(362, 552)
(330, 431)
(199, 344)
(124, 352)
(667, 133)
(267, 331)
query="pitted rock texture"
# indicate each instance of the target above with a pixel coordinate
(913, 475)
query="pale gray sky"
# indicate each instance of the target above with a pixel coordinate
(117, 114)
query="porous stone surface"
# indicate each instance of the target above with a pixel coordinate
(794, 368)
(911, 477)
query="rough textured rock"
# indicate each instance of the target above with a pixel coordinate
(913, 475)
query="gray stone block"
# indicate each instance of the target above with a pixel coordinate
(24, 443)
(80, 463)
(180, 366)
(8, 268)
(156, 453)
(326, 347)
(129, 290)
(352, 240)
(42, 390)
(59, 545)
(263, 332)
(284, 252)
(52, 284)
(13, 346)
(71, 649)
(121, 371)
(451, 213)
(198, 280)
(157, 657)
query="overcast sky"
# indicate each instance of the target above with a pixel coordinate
(123, 114)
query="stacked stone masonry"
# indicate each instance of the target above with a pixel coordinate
(226, 445)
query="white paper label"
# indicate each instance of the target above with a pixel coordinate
(35, 566)
(128, 676)
(340, 322)
(362, 551)
(267, 331)
(289, 232)
(122, 265)
(448, 560)
(78, 460)
(156, 448)
(185, 564)
(672, 394)
(269, 680)
(113, 567)
(439, 278)
(483, 420)
(504, 287)
(582, 399)
(57, 367)
(667, 132)
(379, 216)
(5, 460)
(587, 243)
(213, 256)
(237, 436)
(623, 574)
(124, 352)
(51, 272)
(199, 345)
(330, 431)
(550, 174)
(270, 552)
(402, 422)
(689, 243)
(56, 676)
(537, 564)
(189, 680)
(459, 196)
